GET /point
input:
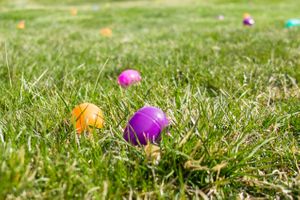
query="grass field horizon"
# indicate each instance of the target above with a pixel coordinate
(231, 93)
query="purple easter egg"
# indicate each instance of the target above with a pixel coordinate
(129, 77)
(146, 126)
(249, 21)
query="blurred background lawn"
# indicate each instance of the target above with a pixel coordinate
(69, 2)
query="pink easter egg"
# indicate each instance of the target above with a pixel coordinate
(129, 77)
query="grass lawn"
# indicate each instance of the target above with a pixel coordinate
(231, 92)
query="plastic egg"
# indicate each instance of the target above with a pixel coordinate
(106, 32)
(95, 7)
(248, 21)
(221, 17)
(129, 77)
(73, 11)
(86, 117)
(145, 126)
(292, 23)
(21, 25)
(246, 15)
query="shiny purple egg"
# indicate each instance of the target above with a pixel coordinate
(129, 77)
(146, 126)
(249, 21)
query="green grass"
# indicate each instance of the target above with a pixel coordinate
(231, 92)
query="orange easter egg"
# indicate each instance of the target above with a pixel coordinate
(106, 32)
(74, 11)
(21, 25)
(246, 15)
(87, 117)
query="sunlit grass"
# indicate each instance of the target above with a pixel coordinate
(231, 93)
